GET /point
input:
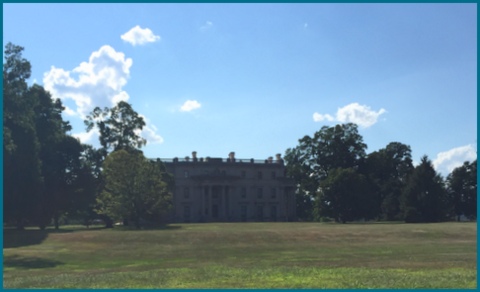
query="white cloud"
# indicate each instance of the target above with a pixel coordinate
(208, 25)
(98, 82)
(190, 105)
(139, 36)
(68, 111)
(87, 138)
(358, 114)
(447, 161)
(149, 132)
(319, 117)
(361, 115)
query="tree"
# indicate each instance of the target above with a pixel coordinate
(315, 157)
(84, 187)
(345, 196)
(16, 70)
(462, 190)
(135, 188)
(306, 185)
(119, 127)
(21, 165)
(424, 196)
(388, 170)
(59, 154)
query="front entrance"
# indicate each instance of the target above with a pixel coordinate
(215, 211)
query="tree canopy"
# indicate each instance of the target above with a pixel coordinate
(462, 190)
(336, 179)
(424, 196)
(48, 174)
(119, 127)
(135, 188)
(315, 157)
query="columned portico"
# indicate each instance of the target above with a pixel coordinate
(233, 190)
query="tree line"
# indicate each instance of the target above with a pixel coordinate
(50, 176)
(337, 180)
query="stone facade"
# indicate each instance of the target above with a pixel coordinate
(231, 190)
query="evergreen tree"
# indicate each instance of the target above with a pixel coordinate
(388, 170)
(424, 197)
(462, 190)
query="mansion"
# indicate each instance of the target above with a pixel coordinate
(231, 190)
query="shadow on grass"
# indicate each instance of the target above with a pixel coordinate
(19, 238)
(20, 262)
(151, 227)
(13, 238)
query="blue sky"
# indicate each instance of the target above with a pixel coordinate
(255, 78)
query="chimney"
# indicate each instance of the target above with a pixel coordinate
(279, 158)
(194, 156)
(231, 156)
(270, 159)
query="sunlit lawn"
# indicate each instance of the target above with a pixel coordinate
(245, 255)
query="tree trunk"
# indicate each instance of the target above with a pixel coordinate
(55, 220)
(108, 223)
(20, 225)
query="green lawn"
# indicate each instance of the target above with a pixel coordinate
(245, 255)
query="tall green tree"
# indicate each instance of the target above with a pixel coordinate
(16, 71)
(59, 154)
(119, 127)
(345, 195)
(311, 162)
(388, 170)
(424, 197)
(462, 190)
(21, 166)
(307, 186)
(135, 188)
(85, 188)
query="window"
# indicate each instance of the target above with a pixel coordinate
(260, 213)
(260, 175)
(243, 213)
(273, 213)
(259, 193)
(215, 193)
(244, 174)
(243, 193)
(186, 174)
(273, 193)
(186, 193)
(274, 175)
(215, 211)
(186, 212)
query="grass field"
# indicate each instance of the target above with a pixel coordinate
(245, 255)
